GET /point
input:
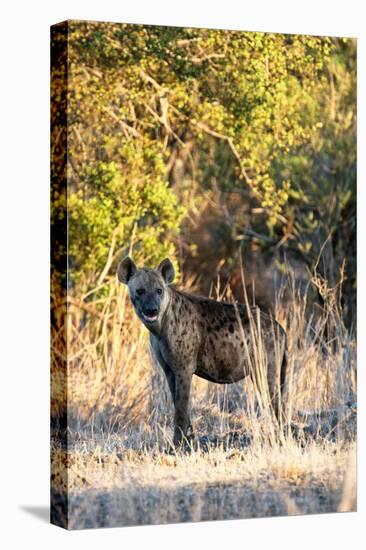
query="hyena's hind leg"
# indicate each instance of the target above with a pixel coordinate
(278, 394)
(277, 378)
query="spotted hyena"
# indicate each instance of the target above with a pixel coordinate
(194, 335)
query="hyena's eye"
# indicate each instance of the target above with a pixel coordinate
(159, 291)
(140, 291)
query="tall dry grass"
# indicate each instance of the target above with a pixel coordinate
(119, 422)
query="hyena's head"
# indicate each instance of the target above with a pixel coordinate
(148, 289)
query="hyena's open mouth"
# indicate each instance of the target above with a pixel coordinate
(149, 318)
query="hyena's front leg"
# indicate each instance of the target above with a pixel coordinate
(170, 377)
(182, 423)
(169, 374)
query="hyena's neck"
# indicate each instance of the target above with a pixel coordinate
(168, 318)
(172, 310)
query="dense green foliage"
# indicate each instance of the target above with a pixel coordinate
(159, 117)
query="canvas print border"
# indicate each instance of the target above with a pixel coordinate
(203, 274)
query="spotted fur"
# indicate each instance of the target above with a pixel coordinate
(191, 335)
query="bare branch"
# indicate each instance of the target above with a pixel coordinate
(128, 130)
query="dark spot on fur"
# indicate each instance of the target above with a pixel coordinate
(231, 328)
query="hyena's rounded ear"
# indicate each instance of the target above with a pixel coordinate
(167, 270)
(126, 270)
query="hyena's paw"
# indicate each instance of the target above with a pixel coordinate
(183, 441)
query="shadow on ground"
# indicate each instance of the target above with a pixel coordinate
(40, 512)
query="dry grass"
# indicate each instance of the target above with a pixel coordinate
(115, 460)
